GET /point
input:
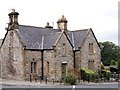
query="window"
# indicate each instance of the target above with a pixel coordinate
(35, 64)
(91, 65)
(90, 48)
(33, 67)
(64, 49)
(54, 69)
(54, 53)
(47, 68)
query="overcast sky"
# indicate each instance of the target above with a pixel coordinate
(100, 15)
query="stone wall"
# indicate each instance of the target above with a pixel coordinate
(12, 56)
(86, 56)
(32, 56)
(0, 63)
(48, 56)
(58, 56)
(77, 60)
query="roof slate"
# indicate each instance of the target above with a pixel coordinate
(77, 37)
(49, 40)
(32, 37)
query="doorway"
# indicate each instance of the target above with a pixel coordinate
(63, 70)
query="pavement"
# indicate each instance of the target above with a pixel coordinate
(16, 83)
(43, 83)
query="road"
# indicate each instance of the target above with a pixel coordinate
(77, 87)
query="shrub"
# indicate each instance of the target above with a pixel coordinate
(70, 78)
(67, 84)
(105, 74)
(87, 74)
(113, 62)
(75, 72)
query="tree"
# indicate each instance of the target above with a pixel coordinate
(113, 62)
(119, 66)
(109, 52)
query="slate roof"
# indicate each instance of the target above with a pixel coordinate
(77, 37)
(49, 40)
(32, 36)
(44, 38)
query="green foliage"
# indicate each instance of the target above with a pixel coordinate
(113, 62)
(105, 74)
(109, 52)
(87, 71)
(87, 74)
(70, 79)
(67, 84)
(75, 72)
(102, 66)
(119, 66)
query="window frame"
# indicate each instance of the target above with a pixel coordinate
(91, 48)
(33, 67)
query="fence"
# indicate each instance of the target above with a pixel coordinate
(96, 79)
(46, 80)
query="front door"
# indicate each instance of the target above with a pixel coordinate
(63, 70)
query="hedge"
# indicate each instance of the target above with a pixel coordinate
(87, 74)
(105, 74)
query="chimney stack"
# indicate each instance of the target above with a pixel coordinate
(48, 26)
(13, 20)
(62, 23)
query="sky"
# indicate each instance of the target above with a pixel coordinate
(100, 15)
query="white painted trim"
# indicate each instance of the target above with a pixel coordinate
(73, 41)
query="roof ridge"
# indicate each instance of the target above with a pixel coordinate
(79, 30)
(31, 26)
(38, 27)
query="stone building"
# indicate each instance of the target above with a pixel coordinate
(0, 56)
(35, 51)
